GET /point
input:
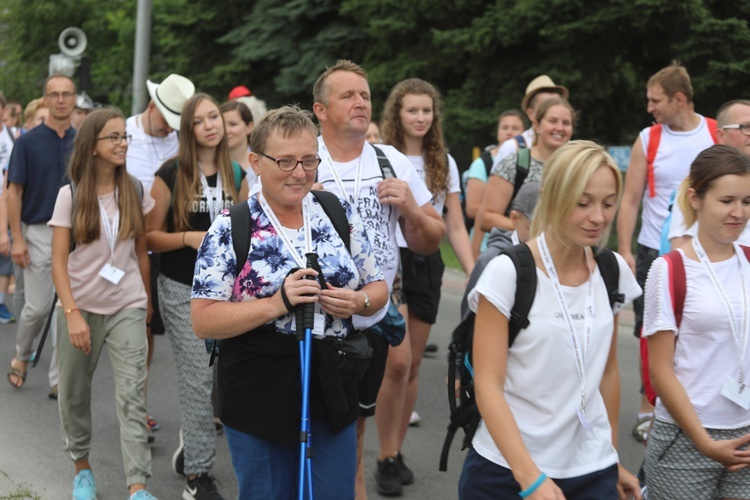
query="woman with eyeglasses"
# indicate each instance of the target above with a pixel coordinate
(190, 191)
(250, 308)
(102, 282)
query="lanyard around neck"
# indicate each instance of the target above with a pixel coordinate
(740, 336)
(299, 259)
(215, 205)
(337, 178)
(110, 230)
(580, 346)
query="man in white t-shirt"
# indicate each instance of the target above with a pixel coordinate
(350, 169)
(683, 134)
(538, 90)
(733, 129)
(154, 141)
(154, 131)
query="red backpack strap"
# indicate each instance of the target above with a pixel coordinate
(712, 126)
(654, 137)
(677, 283)
(746, 250)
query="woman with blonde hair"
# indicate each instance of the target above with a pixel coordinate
(190, 191)
(549, 401)
(412, 122)
(103, 285)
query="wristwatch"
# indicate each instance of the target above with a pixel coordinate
(367, 300)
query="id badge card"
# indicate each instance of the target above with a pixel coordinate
(584, 421)
(319, 324)
(736, 392)
(111, 273)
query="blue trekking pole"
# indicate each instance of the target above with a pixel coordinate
(305, 317)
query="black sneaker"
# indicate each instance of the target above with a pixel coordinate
(201, 487)
(405, 473)
(388, 477)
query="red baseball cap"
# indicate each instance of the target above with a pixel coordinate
(239, 91)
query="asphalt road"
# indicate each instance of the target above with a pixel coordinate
(33, 464)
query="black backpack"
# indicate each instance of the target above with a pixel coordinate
(523, 161)
(465, 414)
(241, 229)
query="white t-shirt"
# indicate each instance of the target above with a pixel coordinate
(6, 148)
(381, 221)
(510, 146)
(438, 202)
(542, 385)
(705, 353)
(677, 151)
(147, 153)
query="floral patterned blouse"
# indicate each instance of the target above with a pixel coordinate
(269, 261)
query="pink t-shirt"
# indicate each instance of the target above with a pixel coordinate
(93, 293)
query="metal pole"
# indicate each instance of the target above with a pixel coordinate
(142, 55)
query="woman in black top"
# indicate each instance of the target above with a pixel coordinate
(190, 191)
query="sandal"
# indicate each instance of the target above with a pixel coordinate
(18, 373)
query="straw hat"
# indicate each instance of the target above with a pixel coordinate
(170, 95)
(539, 84)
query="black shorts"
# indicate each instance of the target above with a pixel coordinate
(157, 326)
(422, 279)
(369, 384)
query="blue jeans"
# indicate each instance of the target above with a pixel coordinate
(485, 480)
(266, 469)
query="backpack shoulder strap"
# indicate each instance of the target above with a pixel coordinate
(239, 216)
(523, 261)
(523, 162)
(332, 207)
(486, 157)
(610, 271)
(138, 186)
(677, 283)
(72, 217)
(712, 126)
(237, 169)
(654, 137)
(385, 164)
(521, 142)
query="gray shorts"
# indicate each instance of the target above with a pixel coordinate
(6, 266)
(676, 470)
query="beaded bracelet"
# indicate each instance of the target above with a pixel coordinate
(531, 489)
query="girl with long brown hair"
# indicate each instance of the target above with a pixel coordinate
(412, 123)
(190, 191)
(103, 286)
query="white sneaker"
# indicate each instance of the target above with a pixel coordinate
(414, 419)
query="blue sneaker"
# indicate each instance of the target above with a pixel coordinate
(5, 315)
(84, 487)
(142, 495)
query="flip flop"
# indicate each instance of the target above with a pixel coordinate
(16, 372)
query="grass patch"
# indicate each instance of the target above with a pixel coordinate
(21, 491)
(449, 257)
